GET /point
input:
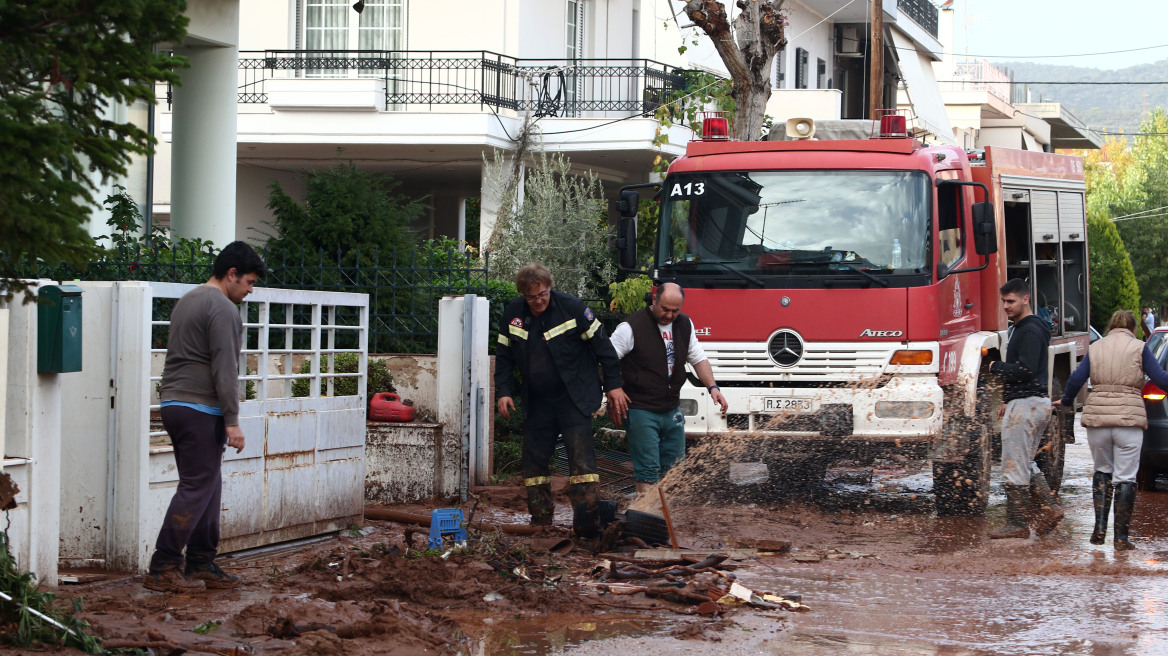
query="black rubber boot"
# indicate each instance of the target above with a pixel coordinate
(540, 504)
(1044, 505)
(1101, 496)
(586, 514)
(1017, 514)
(1125, 500)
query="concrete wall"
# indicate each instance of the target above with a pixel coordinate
(415, 377)
(32, 447)
(403, 462)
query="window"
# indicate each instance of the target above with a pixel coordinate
(573, 49)
(780, 77)
(820, 74)
(574, 34)
(949, 222)
(800, 68)
(334, 26)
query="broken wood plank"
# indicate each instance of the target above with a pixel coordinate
(81, 578)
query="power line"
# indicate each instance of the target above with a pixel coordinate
(1109, 83)
(1082, 54)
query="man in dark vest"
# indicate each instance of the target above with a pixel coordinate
(646, 343)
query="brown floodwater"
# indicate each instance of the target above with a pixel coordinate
(895, 579)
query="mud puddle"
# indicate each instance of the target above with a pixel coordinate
(493, 636)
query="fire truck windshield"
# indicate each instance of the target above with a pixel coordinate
(796, 224)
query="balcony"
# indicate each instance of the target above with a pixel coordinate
(426, 80)
(922, 12)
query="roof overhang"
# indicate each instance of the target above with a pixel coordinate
(1066, 130)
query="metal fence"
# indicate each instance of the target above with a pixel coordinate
(922, 12)
(416, 79)
(403, 288)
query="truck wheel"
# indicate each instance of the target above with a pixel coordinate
(1053, 447)
(1051, 454)
(963, 487)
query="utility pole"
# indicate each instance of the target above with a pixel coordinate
(876, 69)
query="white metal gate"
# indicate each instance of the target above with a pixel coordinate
(302, 470)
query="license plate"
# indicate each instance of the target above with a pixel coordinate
(781, 404)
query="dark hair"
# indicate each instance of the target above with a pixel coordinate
(240, 256)
(1015, 286)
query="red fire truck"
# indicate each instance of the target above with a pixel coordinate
(846, 293)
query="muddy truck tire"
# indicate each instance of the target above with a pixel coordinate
(963, 487)
(1052, 449)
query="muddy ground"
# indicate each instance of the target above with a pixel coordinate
(879, 571)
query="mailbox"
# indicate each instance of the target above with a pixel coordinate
(59, 329)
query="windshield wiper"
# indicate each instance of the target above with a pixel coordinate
(847, 267)
(725, 264)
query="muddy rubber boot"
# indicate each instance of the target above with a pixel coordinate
(1101, 497)
(1017, 514)
(1125, 500)
(586, 514)
(540, 504)
(1044, 505)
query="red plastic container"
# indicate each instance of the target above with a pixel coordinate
(387, 406)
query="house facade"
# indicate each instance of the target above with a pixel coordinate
(430, 91)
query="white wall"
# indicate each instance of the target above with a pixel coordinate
(267, 24)
(251, 200)
(32, 448)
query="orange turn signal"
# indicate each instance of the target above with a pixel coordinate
(1152, 392)
(912, 357)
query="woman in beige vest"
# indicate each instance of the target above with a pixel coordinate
(1115, 419)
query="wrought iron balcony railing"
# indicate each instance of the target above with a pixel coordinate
(424, 79)
(922, 12)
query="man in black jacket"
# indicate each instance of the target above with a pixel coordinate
(555, 343)
(654, 344)
(1025, 414)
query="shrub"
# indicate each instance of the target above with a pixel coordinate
(379, 378)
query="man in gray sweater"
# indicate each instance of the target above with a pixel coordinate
(200, 411)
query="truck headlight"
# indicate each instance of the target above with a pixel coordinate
(689, 407)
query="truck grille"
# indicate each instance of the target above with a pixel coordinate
(823, 361)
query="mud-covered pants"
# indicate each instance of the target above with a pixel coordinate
(1023, 424)
(544, 421)
(192, 520)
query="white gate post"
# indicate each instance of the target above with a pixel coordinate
(463, 383)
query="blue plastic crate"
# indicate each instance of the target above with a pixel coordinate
(446, 521)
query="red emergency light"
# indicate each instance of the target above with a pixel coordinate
(715, 128)
(893, 125)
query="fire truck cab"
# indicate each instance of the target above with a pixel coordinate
(846, 293)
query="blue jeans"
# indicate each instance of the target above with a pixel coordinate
(656, 442)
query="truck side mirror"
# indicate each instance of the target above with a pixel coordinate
(627, 205)
(626, 240)
(985, 237)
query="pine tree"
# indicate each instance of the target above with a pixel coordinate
(1113, 281)
(63, 64)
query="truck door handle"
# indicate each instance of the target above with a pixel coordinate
(969, 305)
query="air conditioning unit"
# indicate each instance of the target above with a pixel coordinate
(847, 41)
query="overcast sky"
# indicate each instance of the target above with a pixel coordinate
(1024, 29)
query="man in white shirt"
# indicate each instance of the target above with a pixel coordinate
(647, 343)
(1149, 323)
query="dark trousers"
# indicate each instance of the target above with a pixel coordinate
(192, 520)
(544, 421)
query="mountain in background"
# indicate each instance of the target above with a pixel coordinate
(1104, 108)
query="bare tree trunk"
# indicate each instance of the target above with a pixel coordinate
(747, 51)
